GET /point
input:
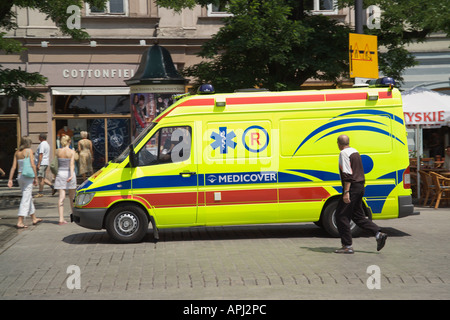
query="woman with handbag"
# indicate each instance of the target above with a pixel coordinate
(65, 179)
(27, 177)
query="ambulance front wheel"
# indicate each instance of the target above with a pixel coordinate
(328, 220)
(126, 224)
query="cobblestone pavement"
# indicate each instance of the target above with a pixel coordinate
(294, 261)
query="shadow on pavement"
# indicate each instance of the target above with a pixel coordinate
(223, 233)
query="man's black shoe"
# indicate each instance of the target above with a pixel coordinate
(381, 241)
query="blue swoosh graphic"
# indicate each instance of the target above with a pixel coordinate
(331, 125)
(372, 112)
(361, 128)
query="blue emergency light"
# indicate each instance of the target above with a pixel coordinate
(382, 82)
(385, 82)
(206, 88)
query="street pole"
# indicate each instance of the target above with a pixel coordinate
(358, 29)
(358, 16)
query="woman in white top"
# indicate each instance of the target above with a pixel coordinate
(65, 179)
(26, 207)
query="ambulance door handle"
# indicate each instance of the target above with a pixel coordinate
(187, 174)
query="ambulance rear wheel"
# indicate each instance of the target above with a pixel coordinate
(126, 224)
(328, 220)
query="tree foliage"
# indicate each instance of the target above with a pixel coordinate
(272, 44)
(14, 82)
(278, 44)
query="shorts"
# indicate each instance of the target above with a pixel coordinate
(42, 170)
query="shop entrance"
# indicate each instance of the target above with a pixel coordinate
(8, 143)
(9, 135)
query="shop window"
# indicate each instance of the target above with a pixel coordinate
(9, 105)
(66, 104)
(110, 137)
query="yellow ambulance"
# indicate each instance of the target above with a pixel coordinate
(252, 158)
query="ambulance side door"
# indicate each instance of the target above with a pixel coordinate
(165, 178)
(240, 176)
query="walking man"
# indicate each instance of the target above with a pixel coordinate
(350, 206)
(42, 162)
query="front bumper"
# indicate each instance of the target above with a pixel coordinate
(88, 218)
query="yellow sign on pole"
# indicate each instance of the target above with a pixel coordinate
(363, 56)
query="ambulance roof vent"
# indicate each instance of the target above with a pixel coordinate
(206, 88)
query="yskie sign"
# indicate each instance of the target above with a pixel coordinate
(425, 117)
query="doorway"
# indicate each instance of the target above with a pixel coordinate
(8, 146)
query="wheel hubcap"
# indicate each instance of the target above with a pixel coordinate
(126, 224)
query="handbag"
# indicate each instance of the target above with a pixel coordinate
(54, 166)
(27, 169)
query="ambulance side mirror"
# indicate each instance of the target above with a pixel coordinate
(132, 155)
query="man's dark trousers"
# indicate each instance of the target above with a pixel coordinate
(353, 211)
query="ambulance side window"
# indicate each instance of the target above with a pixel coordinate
(167, 145)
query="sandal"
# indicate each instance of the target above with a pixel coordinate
(21, 227)
(62, 223)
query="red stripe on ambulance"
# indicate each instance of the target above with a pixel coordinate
(231, 197)
(276, 99)
(105, 201)
(303, 194)
(346, 96)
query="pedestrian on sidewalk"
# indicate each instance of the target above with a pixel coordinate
(26, 207)
(350, 206)
(42, 158)
(65, 178)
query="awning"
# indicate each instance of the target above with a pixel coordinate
(90, 91)
(426, 107)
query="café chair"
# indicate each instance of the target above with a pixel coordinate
(427, 187)
(442, 185)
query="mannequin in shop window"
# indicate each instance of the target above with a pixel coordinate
(86, 155)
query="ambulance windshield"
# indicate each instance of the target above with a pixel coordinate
(135, 142)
